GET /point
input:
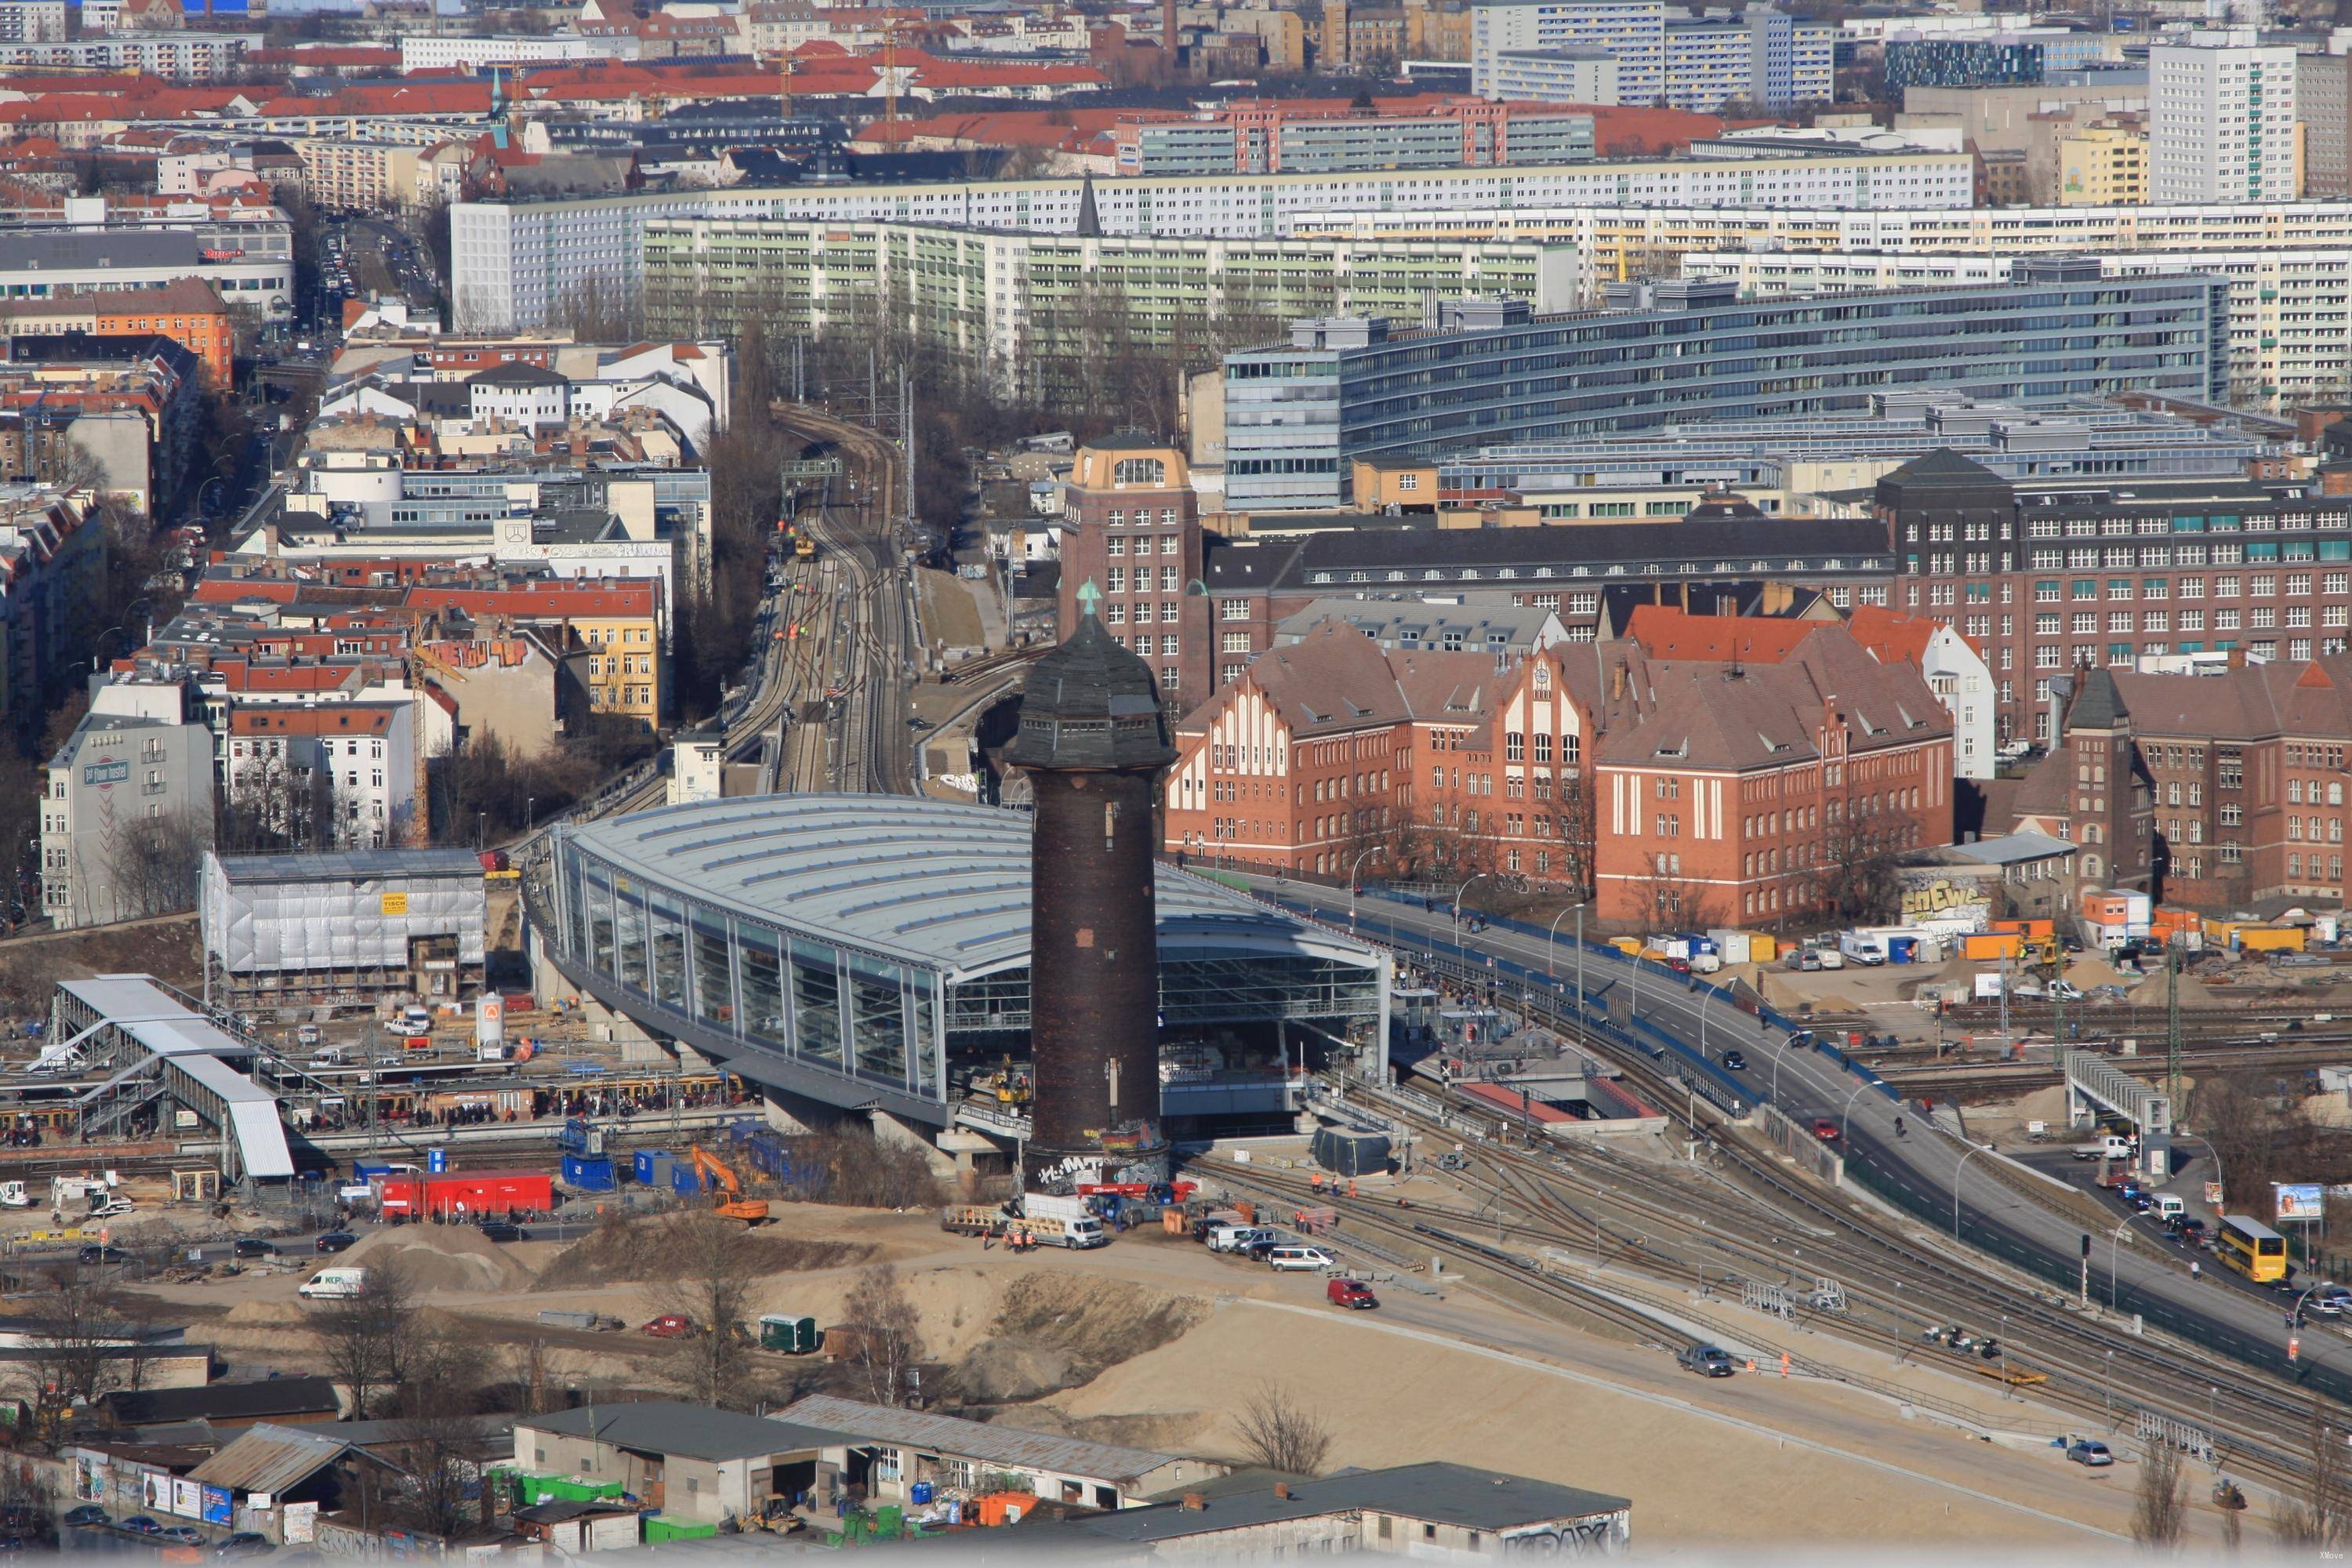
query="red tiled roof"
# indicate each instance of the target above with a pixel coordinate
(1666, 633)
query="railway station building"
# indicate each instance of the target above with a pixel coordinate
(870, 954)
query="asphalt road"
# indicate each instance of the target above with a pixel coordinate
(1938, 1178)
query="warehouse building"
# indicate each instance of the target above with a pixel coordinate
(348, 930)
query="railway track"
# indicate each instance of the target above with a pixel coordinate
(1985, 1080)
(1903, 1279)
(872, 638)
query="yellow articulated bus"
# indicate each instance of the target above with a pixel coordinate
(2252, 1247)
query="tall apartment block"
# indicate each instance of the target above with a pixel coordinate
(2222, 124)
(1760, 56)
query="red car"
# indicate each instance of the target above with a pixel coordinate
(1825, 1130)
(670, 1326)
(1353, 1293)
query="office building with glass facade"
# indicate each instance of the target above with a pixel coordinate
(1494, 373)
(871, 952)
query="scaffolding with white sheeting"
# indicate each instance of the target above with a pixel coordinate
(346, 929)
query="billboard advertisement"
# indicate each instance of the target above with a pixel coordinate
(2299, 1201)
(187, 1498)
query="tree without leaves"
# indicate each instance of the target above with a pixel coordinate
(2159, 1509)
(713, 1290)
(887, 1332)
(74, 1333)
(370, 1342)
(1282, 1434)
(438, 1431)
(2320, 1520)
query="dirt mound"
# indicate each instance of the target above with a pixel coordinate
(656, 1250)
(1005, 1371)
(1100, 1322)
(442, 1259)
(1179, 1433)
(264, 1313)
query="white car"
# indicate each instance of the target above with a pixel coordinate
(1292, 1258)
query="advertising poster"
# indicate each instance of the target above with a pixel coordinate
(187, 1499)
(2300, 1201)
(301, 1522)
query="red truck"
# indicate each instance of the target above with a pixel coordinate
(1350, 1293)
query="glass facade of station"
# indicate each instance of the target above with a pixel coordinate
(876, 1019)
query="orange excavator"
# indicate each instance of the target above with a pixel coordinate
(731, 1204)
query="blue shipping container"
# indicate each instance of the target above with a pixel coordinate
(684, 1179)
(588, 1173)
(365, 1171)
(647, 1164)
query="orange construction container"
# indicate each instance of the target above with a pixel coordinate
(2043, 930)
(1172, 1221)
(1247, 1211)
(1005, 1508)
(1996, 944)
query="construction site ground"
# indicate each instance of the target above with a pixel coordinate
(1156, 1342)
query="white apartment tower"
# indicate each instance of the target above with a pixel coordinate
(1630, 32)
(2221, 124)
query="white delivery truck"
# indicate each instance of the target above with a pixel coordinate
(1059, 1221)
(333, 1285)
(2111, 1147)
(1861, 947)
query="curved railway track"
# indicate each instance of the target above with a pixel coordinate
(1768, 1225)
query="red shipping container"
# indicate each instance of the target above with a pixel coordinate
(472, 1194)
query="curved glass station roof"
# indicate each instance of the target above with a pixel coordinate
(924, 882)
(857, 949)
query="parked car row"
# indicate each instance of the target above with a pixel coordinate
(1285, 1255)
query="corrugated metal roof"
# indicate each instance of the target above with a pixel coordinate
(929, 882)
(270, 1458)
(675, 1427)
(985, 1440)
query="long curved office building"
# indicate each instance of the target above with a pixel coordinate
(871, 952)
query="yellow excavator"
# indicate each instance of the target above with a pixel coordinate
(730, 1202)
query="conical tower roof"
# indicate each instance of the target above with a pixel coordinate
(1091, 704)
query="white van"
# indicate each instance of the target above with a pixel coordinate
(2168, 1206)
(1292, 1258)
(333, 1284)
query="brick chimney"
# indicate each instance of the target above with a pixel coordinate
(1196, 1502)
(2336, 479)
(1282, 1489)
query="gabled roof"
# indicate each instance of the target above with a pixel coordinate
(1945, 469)
(269, 1458)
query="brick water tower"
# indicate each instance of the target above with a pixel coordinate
(1094, 741)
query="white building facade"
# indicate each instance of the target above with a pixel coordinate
(518, 264)
(2222, 124)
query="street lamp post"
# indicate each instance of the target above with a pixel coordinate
(1845, 1129)
(1552, 939)
(1351, 885)
(1465, 887)
(2114, 1243)
(2107, 1389)
(1955, 1185)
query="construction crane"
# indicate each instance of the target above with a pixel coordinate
(731, 1204)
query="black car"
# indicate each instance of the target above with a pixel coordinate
(1734, 1062)
(245, 1543)
(95, 1253)
(500, 1230)
(88, 1513)
(335, 1241)
(254, 1247)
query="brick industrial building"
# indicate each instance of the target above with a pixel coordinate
(1689, 774)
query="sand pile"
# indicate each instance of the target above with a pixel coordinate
(270, 1314)
(442, 1259)
(660, 1250)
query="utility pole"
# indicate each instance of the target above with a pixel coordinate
(2172, 1024)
